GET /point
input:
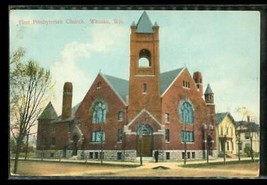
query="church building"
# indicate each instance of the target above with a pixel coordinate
(123, 120)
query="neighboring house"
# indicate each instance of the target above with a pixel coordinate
(121, 119)
(226, 134)
(249, 134)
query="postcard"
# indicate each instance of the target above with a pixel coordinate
(125, 92)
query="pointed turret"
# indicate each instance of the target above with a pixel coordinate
(144, 24)
(209, 96)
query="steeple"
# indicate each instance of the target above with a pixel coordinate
(144, 91)
(209, 95)
(144, 24)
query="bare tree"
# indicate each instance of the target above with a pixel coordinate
(30, 86)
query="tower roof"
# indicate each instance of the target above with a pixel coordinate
(144, 24)
(49, 112)
(208, 90)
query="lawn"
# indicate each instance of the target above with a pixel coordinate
(45, 169)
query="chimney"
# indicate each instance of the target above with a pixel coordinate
(67, 100)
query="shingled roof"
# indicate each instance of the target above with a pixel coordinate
(167, 78)
(222, 115)
(144, 24)
(248, 125)
(121, 86)
(208, 90)
(49, 112)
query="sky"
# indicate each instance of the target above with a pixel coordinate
(75, 45)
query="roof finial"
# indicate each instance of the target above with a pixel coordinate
(133, 24)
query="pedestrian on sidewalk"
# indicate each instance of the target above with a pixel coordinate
(156, 155)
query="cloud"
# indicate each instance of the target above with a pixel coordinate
(74, 54)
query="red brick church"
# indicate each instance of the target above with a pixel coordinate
(122, 119)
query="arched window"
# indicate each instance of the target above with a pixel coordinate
(143, 62)
(120, 116)
(144, 129)
(186, 112)
(99, 112)
(144, 58)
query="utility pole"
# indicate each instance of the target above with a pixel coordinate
(251, 137)
(224, 153)
(239, 142)
(141, 148)
(185, 147)
(101, 147)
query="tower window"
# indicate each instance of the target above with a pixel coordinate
(144, 58)
(144, 88)
(143, 62)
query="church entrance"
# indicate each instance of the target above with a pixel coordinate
(75, 145)
(144, 140)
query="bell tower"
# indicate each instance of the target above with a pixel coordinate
(144, 91)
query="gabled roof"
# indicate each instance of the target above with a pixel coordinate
(208, 90)
(120, 86)
(144, 24)
(222, 115)
(73, 111)
(167, 78)
(49, 112)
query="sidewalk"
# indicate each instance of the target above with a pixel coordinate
(146, 163)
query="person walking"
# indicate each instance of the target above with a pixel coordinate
(156, 155)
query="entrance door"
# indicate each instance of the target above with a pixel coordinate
(144, 145)
(75, 143)
(144, 140)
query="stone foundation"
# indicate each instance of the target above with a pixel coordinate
(124, 155)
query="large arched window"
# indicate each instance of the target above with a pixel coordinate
(186, 112)
(99, 112)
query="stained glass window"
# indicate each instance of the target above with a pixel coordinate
(99, 112)
(186, 113)
(98, 136)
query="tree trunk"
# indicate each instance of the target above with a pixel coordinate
(26, 149)
(17, 157)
